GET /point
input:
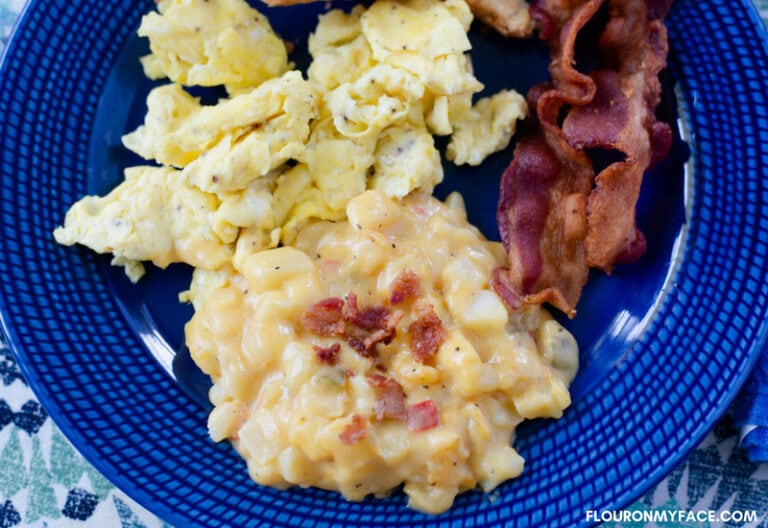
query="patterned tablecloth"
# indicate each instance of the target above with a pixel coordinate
(44, 482)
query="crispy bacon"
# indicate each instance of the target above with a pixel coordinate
(426, 333)
(390, 398)
(369, 326)
(355, 337)
(387, 333)
(362, 329)
(500, 283)
(422, 416)
(325, 318)
(636, 46)
(540, 216)
(407, 285)
(354, 431)
(557, 216)
(369, 318)
(329, 354)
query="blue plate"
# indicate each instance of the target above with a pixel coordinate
(665, 343)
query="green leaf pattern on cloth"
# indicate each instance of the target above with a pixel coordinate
(41, 499)
(13, 474)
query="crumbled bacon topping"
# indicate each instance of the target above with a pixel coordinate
(361, 328)
(422, 416)
(368, 318)
(390, 398)
(329, 354)
(407, 285)
(354, 431)
(325, 318)
(369, 326)
(387, 332)
(426, 333)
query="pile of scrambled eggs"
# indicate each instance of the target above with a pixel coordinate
(282, 150)
(300, 185)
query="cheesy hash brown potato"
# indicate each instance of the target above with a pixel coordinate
(373, 353)
(343, 313)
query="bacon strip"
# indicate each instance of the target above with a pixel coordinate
(628, 96)
(541, 220)
(556, 216)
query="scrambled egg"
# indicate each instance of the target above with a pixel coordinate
(151, 216)
(281, 150)
(485, 128)
(271, 119)
(210, 43)
(244, 187)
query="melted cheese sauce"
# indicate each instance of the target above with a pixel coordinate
(287, 411)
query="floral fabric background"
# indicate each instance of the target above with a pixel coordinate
(44, 482)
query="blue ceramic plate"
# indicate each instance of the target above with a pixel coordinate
(666, 342)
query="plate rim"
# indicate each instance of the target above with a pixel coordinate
(59, 417)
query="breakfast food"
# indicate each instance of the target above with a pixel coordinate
(511, 18)
(346, 317)
(283, 151)
(224, 42)
(373, 353)
(559, 212)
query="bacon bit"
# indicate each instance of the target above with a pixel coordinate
(362, 329)
(356, 338)
(390, 398)
(325, 318)
(386, 334)
(370, 318)
(376, 380)
(369, 326)
(329, 354)
(422, 416)
(354, 431)
(406, 285)
(426, 334)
